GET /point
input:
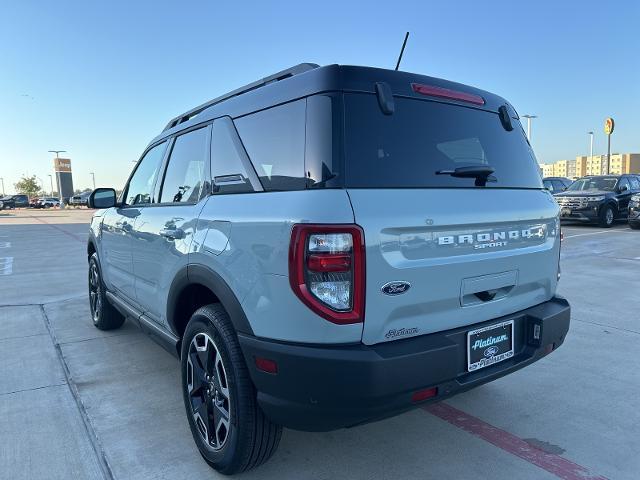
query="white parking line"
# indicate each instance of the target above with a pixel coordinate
(5, 244)
(595, 233)
(6, 265)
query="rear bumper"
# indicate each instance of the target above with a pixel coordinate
(321, 388)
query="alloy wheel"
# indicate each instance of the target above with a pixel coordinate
(208, 389)
(95, 297)
(609, 216)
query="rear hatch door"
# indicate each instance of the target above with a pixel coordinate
(442, 250)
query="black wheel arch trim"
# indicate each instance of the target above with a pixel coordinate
(196, 273)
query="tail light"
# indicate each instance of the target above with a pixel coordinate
(326, 270)
(560, 246)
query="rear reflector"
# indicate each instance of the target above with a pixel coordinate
(421, 395)
(266, 365)
(446, 93)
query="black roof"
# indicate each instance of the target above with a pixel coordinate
(308, 79)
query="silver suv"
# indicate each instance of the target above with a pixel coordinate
(330, 246)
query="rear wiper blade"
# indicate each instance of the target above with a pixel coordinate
(482, 173)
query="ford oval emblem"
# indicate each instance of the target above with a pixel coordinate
(491, 351)
(395, 288)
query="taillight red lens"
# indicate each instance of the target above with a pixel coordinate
(434, 91)
(326, 270)
(329, 262)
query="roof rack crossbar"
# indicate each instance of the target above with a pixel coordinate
(289, 72)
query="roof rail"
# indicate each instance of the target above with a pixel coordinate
(289, 72)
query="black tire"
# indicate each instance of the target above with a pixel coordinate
(103, 314)
(251, 438)
(634, 225)
(607, 216)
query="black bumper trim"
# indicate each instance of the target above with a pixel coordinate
(322, 388)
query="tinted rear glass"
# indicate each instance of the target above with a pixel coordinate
(407, 148)
(274, 140)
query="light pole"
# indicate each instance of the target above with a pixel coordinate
(41, 183)
(51, 182)
(529, 117)
(2, 180)
(93, 177)
(58, 152)
(590, 144)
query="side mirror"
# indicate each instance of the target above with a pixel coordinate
(623, 188)
(102, 198)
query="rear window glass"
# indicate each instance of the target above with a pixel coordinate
(407, 148)
(274, 140)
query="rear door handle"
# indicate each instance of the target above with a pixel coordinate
(172, 233)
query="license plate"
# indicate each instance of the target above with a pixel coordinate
(489, 345)
(565, 212)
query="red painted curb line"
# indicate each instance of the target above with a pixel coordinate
(554, 464)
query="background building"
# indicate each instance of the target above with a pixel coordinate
(547, 169)
(597, 165)
(560, 168)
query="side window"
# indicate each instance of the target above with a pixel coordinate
(635, 183)
(139, 190)
(623, 182)
(227, 166)
(185, 175)
(548, 184)
(558, 186)
(274, 139)
(323, 141)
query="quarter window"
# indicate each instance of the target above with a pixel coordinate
(185, 176)
(140, 188)
(274, 139)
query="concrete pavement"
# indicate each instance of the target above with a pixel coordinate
(79, 403)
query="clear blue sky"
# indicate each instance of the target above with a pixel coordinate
(100, 79)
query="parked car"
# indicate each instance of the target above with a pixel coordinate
(556, 184)
(7, 202)
(47, 202)
(634, 211)
(317, 259)
(598, 199)
(16, 201)
(80, 200)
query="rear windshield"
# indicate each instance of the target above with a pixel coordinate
(407, 148)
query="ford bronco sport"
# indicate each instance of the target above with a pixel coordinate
(330, 246)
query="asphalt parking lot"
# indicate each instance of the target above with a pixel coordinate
(79, 403)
